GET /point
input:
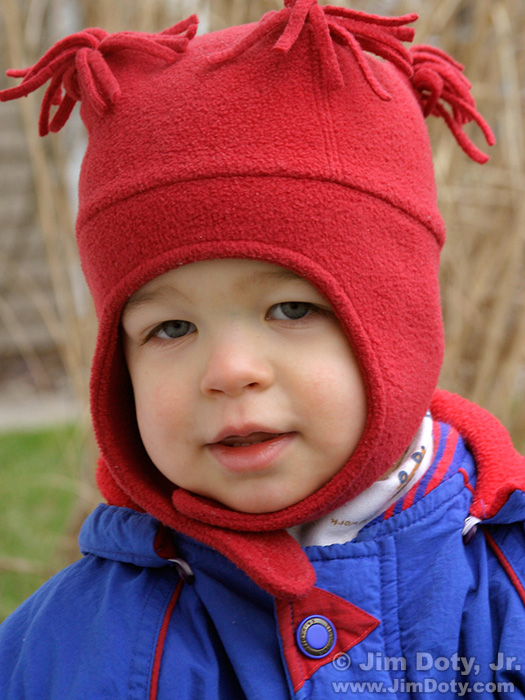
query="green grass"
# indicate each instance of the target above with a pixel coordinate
(39, 476)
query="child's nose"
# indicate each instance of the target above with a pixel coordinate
(236, 362)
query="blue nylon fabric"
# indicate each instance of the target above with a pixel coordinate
(89, 632)
(449, 614)
(228, 638)
(128, 536)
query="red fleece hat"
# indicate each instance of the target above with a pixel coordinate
(280, 141)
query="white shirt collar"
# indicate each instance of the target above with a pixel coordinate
(343, 524)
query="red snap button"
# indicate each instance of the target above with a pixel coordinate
(316, 636)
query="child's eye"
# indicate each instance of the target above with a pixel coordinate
(291, 310)
(170, 330)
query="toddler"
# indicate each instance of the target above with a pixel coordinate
(293, 510)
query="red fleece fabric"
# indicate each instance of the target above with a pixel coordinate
(256, 157)
(280, 141)
(502, 468)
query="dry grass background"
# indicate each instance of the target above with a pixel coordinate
(484, 207)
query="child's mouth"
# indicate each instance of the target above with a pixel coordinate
(247, 440)
(252, 452)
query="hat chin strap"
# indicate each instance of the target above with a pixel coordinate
(276, 562)
(273, 559)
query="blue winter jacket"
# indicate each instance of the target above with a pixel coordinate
(412, 610)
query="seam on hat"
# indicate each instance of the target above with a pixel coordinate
(324, 117)
(438, 235)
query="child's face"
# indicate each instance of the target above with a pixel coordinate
(246, 388)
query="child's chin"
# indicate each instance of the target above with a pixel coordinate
(260, 504)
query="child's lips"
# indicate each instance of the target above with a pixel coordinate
(250, 439)
(254, 451)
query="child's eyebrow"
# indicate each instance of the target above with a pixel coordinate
(264, 276)
(145, 296)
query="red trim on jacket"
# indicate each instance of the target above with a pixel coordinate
(446, 461)
(505, 564)
(411, 495)
(352, 624)
(491, 447)
(161, 639)
(465, 476)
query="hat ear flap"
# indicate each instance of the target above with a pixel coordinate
(111, 491)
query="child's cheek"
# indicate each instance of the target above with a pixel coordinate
(164, 415)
